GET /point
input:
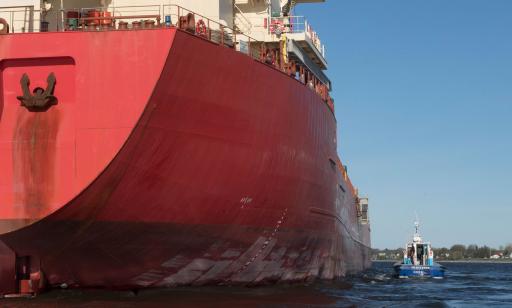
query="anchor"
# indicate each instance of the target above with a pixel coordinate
(40, 99)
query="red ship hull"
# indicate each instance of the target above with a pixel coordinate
(168, 160)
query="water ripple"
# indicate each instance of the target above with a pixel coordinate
(466, 285)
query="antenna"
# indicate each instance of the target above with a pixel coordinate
(416, 222)
(417, 237)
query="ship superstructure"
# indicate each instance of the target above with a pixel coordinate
(169, 143)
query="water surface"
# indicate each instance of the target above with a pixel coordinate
(465, 285)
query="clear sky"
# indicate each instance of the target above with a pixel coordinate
(423, 92)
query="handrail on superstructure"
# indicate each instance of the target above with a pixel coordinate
(296, 25)
(215, 31)
(247, 21)
(157, 17)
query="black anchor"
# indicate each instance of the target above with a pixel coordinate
(40, 99)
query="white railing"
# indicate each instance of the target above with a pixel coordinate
(22, 19)
(27, 19)
(215, 31)
(241, 21)
(296, 24)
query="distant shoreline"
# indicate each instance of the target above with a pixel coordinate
(459, 261)
(477, 261)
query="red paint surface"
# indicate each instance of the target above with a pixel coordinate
(47, 158)
(223, 171)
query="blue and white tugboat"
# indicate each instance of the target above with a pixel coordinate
(418, 260)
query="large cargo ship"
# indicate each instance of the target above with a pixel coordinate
(169, 144)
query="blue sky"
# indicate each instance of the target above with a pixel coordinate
(423, 93)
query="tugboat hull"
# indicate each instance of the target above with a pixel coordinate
(419, 271)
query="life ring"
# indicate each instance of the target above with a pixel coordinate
(277, 27)
(5, 26)
(201, 28)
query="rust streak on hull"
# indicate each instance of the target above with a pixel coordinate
(34, 155)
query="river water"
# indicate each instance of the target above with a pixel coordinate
(465, 285)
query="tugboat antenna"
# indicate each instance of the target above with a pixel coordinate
(416, 222)
(417, 237)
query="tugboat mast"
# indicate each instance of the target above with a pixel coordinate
(417, 237)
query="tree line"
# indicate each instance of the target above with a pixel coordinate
(455, 252)
(458, 251)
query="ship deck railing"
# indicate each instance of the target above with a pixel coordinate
(27, 19)
(299, 26)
